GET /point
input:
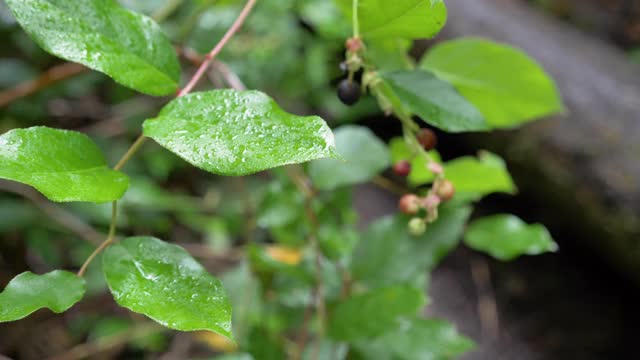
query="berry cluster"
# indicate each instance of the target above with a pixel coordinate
(349, 89)
(441, 190)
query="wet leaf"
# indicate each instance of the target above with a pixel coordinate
(104, 36)
(229, 132)
(63, 165)
(163, 282)
(57, 290)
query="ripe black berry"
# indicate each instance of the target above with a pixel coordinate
(348, 92)
(402, 168)
(427, 139)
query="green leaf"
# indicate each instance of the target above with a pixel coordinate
(57, 290)
(163, 282)
(505, 84)
(387, 254)
(426, 339)
(231, 132)
(104, 36)
(420, 174)
(505, 237)
(364, 157)
(410, 19)
(375, 312)
(435, 101)
(481, 176)
(63, 165)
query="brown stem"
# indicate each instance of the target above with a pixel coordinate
(46, 79)
(107, 242)
(212, 54)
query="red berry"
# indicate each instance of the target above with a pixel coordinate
(409, 204)
(353, 44)
(445, 190)
(427, 139)
(402, 168)
(348, 92)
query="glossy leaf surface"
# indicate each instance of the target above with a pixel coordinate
(229, 132)
(63, 165)
(410, 19)
(28, 292)
(504, 83)
(104, 36)
(163, 282)
(506, 237)
(364, 156)
(372, 313)
(435, 101)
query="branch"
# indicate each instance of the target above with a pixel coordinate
(56, 213)
(46, 79)
(216, 50)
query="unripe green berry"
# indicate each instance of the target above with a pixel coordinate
(417, 226)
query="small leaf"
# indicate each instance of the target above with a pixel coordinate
(364, 157)
(387, 254)
(505, 237)
(417, 339)
(28, 292)
(410, 19)
(480, 176)
(231, 132)
(104, 36)
(435, 101)
(375, 312)
(63, 165)
(163, 282)
(505, 84)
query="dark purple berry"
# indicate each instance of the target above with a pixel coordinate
(348, 92)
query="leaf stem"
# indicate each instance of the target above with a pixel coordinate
(356, 23)
(107, 242)
(216, 50)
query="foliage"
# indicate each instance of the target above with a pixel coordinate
(303, 280)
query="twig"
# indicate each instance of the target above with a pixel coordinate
(303, 186)
(487, 308)
(46, 79)
(56, 213)
(212, 54)
(389, 185)
(107, 242)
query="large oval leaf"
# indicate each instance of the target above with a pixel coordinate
(104, 36)
(364, 156)
(163, 282)
(231, 132)
(410, 19)
(63, 165)
(505, 237)
(28, 292)
(435, 101)
(506, 85)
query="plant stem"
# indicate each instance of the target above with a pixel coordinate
(107, 242)
(356, 23)
(216, 50)
(130, 152)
